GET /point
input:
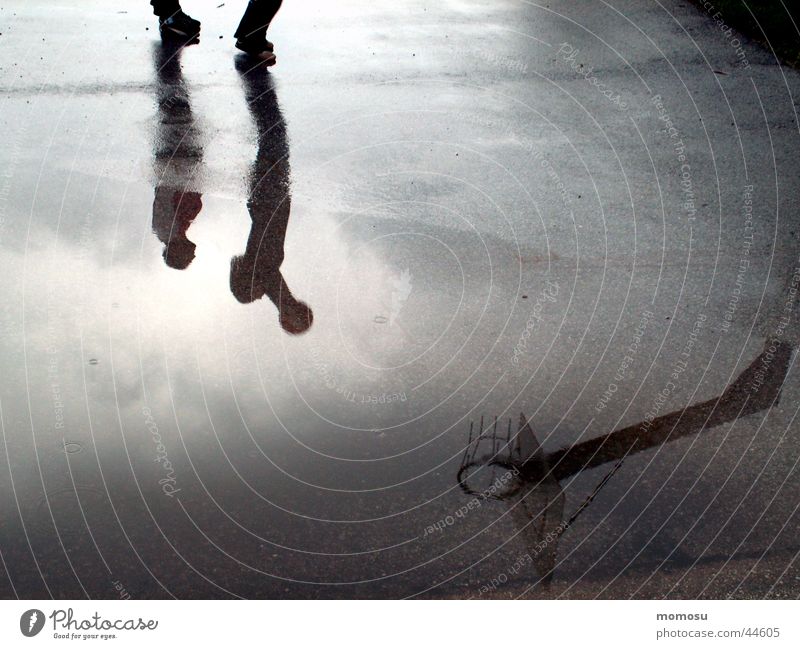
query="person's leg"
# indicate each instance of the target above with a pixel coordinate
(251, 35)
(165, 8)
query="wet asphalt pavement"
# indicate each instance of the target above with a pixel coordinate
(460, 299)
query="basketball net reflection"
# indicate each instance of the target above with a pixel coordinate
(531, 477)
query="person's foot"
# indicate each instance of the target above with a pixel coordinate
(259, 48)
(179, 26)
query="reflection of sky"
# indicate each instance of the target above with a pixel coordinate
(90, 279)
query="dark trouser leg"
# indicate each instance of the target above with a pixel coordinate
(257, 17)
(165, 8)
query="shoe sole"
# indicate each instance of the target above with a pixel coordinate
(171, 32)
(266, 56)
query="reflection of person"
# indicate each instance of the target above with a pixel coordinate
(178, 156)
(257, 272)
(251, 35)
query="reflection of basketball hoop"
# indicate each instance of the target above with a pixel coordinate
(493, 462)
(489, 479)
(513, 468)
(535, 499)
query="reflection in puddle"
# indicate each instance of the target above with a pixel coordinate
(178, 160)
(386, 211)
(257, 272)
(514, 467)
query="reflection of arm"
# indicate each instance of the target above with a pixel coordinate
(739, 399)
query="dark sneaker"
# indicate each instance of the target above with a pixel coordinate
(179, 25)
(259, 48)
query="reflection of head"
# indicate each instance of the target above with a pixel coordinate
(179, 253)
(173, 212)
(296, 317)
(250, 283)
